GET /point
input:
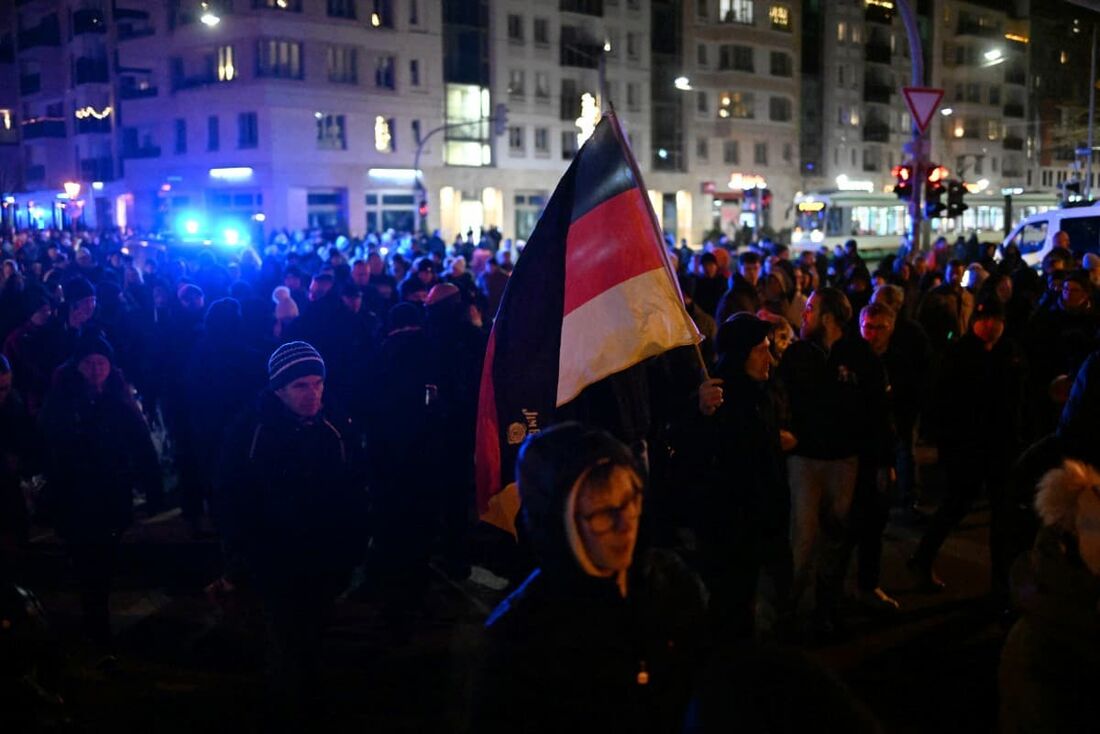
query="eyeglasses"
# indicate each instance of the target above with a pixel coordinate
(603, 520)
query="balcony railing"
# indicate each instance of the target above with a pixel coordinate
(877, 53)
(92, 126)
(876, 133)
(46, 33)
(90, 71)
(877, 93)
(141, 151)
(88, 20)
(97, 169)
(1014, 110)
(30, 84)
(43, 128)
(1012, 143)
(35, 173)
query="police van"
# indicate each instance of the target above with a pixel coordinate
(1034, 236)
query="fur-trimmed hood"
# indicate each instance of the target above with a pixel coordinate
(1068, 500)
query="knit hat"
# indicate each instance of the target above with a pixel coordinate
(738, 335)
(285, 306)
(78, 289)
(292, 361)
(93, 344)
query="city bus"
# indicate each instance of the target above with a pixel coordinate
(880, 221)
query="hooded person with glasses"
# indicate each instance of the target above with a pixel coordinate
(600, 637)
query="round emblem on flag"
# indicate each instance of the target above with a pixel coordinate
(516, 433)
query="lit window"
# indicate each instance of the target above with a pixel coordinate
(1063, 58)
(780, 16)
(738, 105)
(227, 70)
(383, 135)
(841, 31)
(735, 11)
(279, 59)
(342, 63)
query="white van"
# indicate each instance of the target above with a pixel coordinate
(1035, 235)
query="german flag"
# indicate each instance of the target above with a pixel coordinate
(593, 294)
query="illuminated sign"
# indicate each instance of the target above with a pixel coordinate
(86, 112)
(849, 184)
(811, 206)
(236, 173)
(741, 182)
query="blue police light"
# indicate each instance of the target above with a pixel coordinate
(232, 237)
(191, 226)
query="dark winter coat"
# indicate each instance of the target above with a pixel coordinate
(978, 401)
(99, 451)
(1081, 414)
(838, 400)
(290, 499)
(568, 653)
(1050, 665)
(741, 296)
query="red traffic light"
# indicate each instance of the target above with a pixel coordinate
(937, 174)
(902, 173)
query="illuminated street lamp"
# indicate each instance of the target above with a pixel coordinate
(209, 18)
(682, 83)
(72, 189)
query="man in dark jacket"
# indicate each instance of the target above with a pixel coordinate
(977, 419)
(710, 285)
(744, 293)
(831, 378)
(290, 505)
(745, 512)
(600, 637)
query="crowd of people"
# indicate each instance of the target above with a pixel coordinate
(313, 406)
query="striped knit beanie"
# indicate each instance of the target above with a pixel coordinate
(291, 361)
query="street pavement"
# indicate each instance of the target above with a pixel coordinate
(184, 666)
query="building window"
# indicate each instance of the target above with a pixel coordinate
(515, 28)
(384, 77)
(516, 79)
(342, 64)
(415, 125)
(381, 15)
(248, 132)
(760, 154)
(414, 72)
(994, 94)
(992, 129)
(840, 75)
(542, 86)
(701, 55)
(731, 152)
(735, 11)
(841, 32)
(779, 109)
(227, 69)
(738, 105)
(330, 132)
(568, 144)
(213, 137)
(781, 64)
(414, 12)
(632, 45)
(701, 105)
(542, 140)
(542, 32)
(279, 59)
(780, 17)
(293, 6)
(181, 136)
(702, 149)
(788, 152)
(737, 58)
(341, 9)
(633, 98)
(383, 135)
(515, 139)
(701, 9)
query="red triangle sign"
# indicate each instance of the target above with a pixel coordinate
(922, 102)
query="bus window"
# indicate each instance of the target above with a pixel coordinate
(1032, 237)
(1084, 233)
(834, 221)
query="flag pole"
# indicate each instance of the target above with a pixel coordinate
(617, 128)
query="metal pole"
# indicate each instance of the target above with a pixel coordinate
(1092, 114)
(920, 159)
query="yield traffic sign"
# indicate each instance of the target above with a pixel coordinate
(922, 102)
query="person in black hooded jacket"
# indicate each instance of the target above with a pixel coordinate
(598, 638)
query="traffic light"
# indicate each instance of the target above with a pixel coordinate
(422, 210)
(956, 190)
(500, 120)
(749, 203)
(934, 185)
(903, 174)
(766, 198)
